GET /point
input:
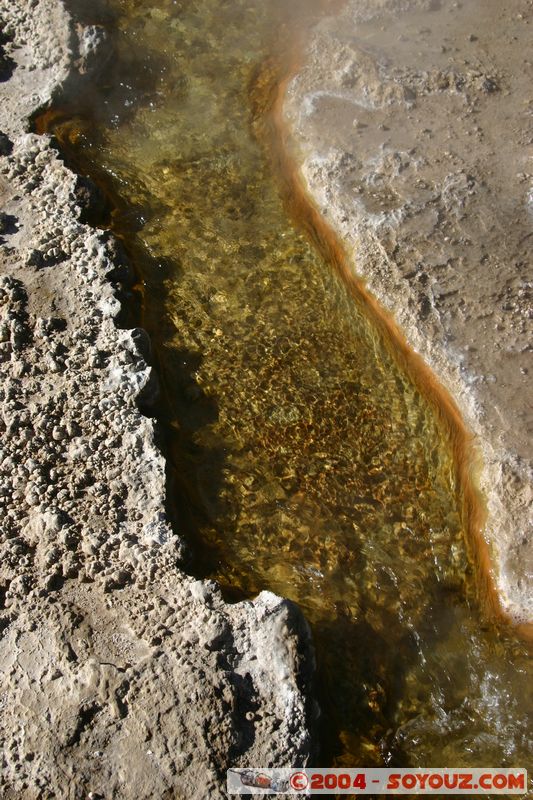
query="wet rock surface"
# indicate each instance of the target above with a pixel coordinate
(121, 676)
(413, 126)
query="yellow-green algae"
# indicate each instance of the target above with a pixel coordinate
(307, 461)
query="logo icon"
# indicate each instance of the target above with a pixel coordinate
(299, 781)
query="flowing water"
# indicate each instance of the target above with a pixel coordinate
(306, 461)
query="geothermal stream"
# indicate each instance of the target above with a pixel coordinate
(305, 460)
(310, 451)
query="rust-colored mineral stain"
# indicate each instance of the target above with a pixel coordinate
(267, 93)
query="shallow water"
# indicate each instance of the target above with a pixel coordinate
(306, 461)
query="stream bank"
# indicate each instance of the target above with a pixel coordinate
(121, 675)
(412, 124)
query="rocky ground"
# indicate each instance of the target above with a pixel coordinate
(121, 676)
(412, 121)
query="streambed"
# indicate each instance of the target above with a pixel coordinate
(306, 462)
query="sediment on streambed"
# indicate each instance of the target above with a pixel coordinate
(121, 675)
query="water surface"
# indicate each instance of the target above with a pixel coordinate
(306, 461)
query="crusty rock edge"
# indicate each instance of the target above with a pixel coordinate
(121, 676)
